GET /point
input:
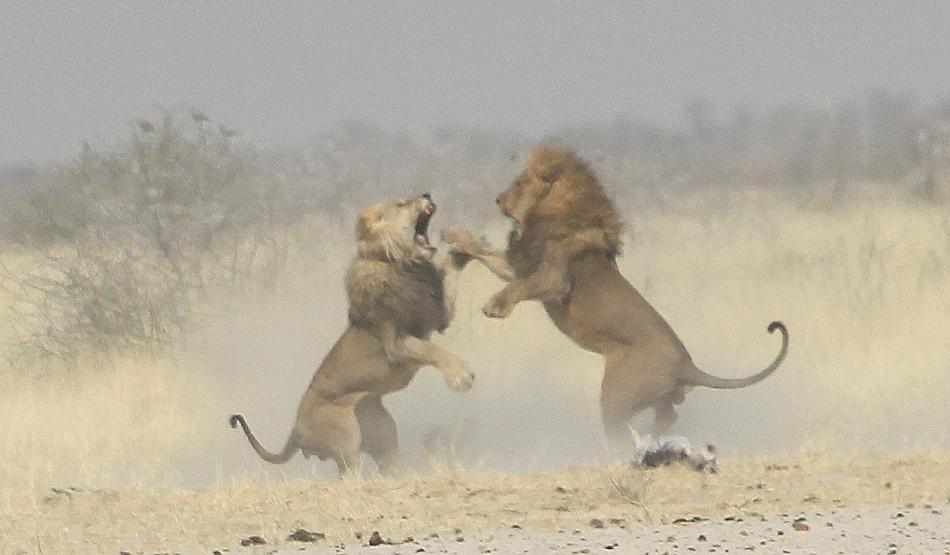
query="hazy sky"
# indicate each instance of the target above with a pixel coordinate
(281, 71)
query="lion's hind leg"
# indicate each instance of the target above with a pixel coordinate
(628, 388)
(379, 435)
(332, 431)
(664, 416)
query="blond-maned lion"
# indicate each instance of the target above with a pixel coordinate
(562, 251)
(397, 297)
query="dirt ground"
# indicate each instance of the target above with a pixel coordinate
(894, 502)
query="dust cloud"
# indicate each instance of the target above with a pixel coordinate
(866, 370)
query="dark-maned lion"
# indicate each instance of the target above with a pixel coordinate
(398, 296)
(562, 252)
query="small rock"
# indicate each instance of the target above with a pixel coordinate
(460, 539)
(302, 535)
(516, 526)
(597, 523)
(375, 539)
(701, 538)
(253, 540)
(800, 526)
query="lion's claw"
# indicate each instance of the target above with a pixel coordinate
(460, 380)
(496, 308)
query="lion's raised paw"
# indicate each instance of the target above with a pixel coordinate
(497, 308)
(461, 380)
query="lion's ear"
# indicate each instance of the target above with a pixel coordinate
(546, 163)
(548, 173)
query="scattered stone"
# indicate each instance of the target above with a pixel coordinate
(375, 539)
(688, 519)
(800, 526)
(516, 526)
(302, 535)
(597, 523)
(460, 539)
(253, 540)
(701, 538)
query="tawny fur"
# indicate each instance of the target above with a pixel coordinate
(562, 252)
(398, 297)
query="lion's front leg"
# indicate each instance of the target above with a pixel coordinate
(548, 283)
(407, 348)
(456, 372)
(464, 243)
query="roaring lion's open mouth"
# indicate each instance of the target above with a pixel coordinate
(422, 224)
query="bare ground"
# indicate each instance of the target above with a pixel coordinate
(850, 503)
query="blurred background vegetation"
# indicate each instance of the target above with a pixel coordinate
(118, 249)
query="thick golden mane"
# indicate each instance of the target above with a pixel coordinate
(410, 296)
(576, 207)
(576, 202)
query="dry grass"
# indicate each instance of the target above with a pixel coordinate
(199, 521)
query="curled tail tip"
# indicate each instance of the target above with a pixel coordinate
(235, 419)
(777, 325)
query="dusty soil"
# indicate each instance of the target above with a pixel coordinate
(897, 502)
(907, 529)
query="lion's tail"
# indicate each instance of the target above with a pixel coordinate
(695, 376)
(287, 453)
